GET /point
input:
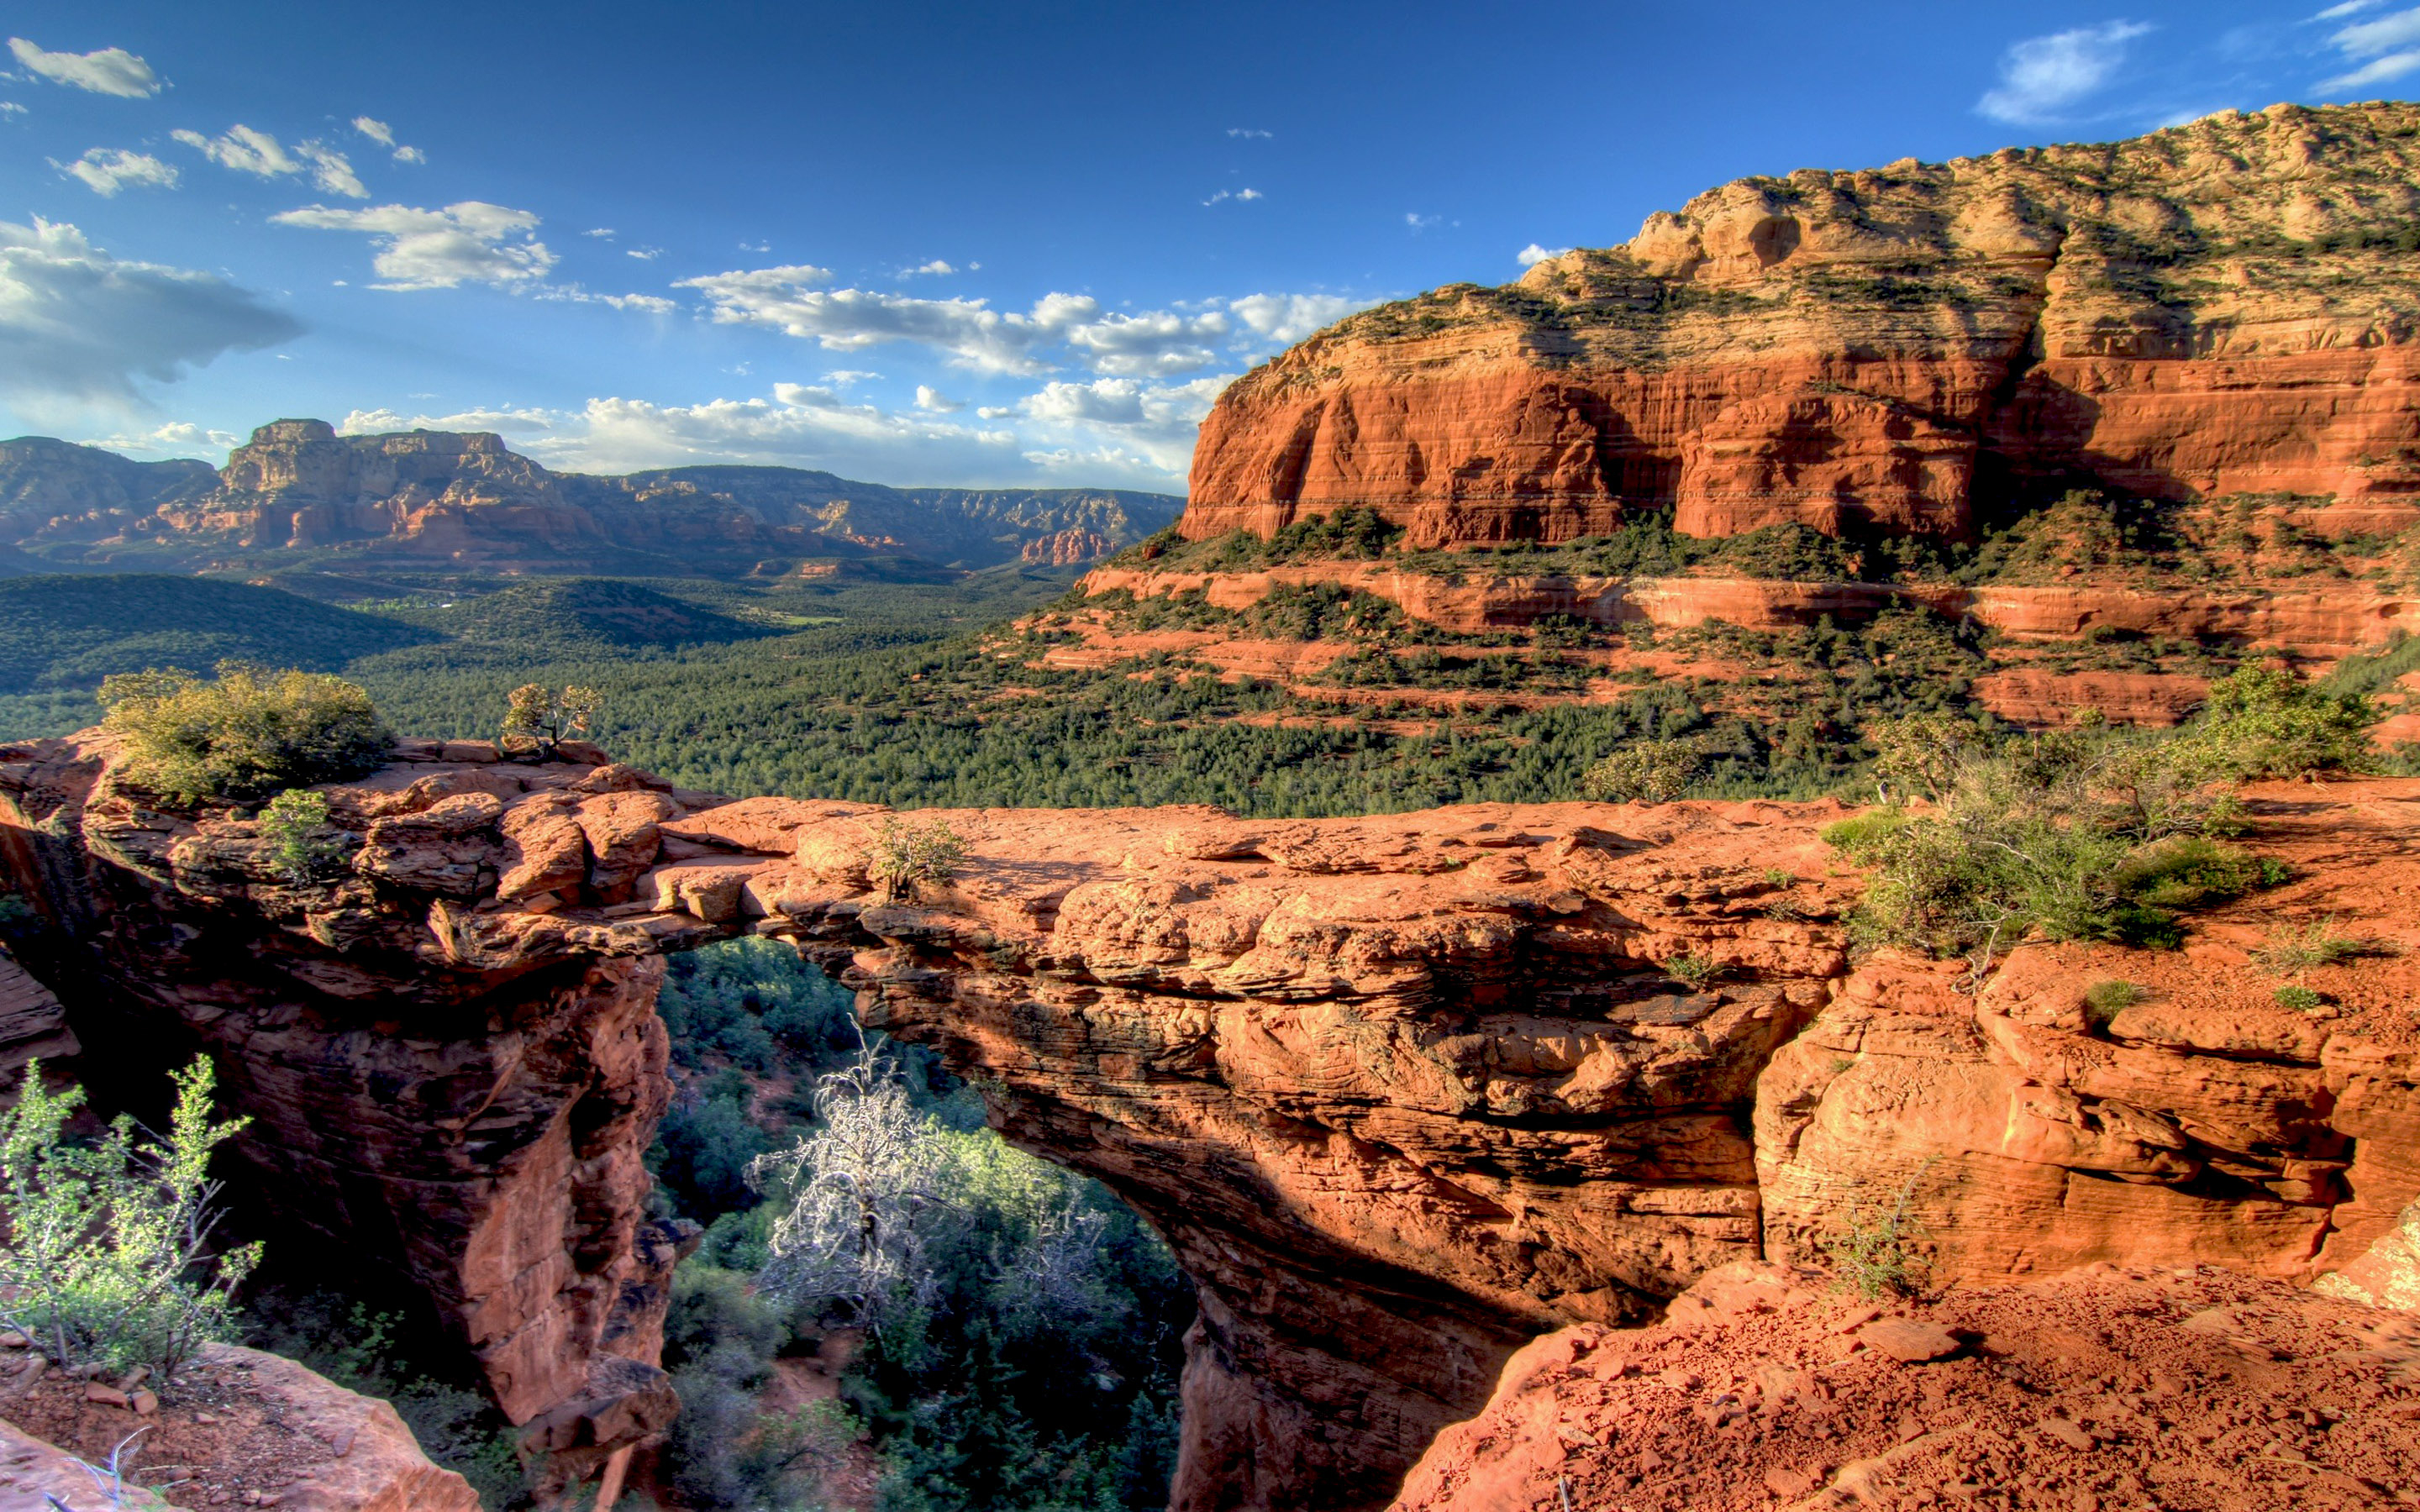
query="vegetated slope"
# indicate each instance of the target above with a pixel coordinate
(2222, 307)
(299, 490)
(69, 631)
(586, 614)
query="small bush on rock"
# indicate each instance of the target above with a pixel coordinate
(108, 1258)
(537, 720)
(1644, 771)
(2105, 1000)
(908, 858)
(243, 735)
(295, 824)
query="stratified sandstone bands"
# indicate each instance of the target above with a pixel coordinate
(2220, 308)
(1402, 1091)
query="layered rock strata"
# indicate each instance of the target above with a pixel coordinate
(1401, 1091)
(2224, 307)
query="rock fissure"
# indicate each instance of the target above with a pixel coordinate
(1395, 1117)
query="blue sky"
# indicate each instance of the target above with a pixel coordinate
(923, 244)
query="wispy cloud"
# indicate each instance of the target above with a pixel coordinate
(1234, 194)
(1249, 132)
(107, 170)
(255, 153)
(383, 135)
(112, 71)
(2044, 78)
(2381, 50)
(469, 242)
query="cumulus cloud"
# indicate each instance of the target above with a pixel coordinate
(2381, 50)
(939, 266)
(80, 329)
(932, 400)
(1532, 255)
(2043, 77)
(1122, 417)
(112, 71)
(246, 150)
(107, 170)
(1289, 318)
(467, 242)
(968, 332)
(1157, 343)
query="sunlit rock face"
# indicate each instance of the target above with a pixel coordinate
(1402, 1093)
(2221, 308)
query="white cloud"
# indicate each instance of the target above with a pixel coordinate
(995, 411)
(1289, 318)
(243, 149)
(1157, 344)
(756, 246)
(932, 401)
(467, 242)
(574, 294)
(605, 231)
(1236, 194)
(2043, 76)
(2390, 45)
(847, 376)
(938, 267)
(968, 330)
(646, 255)
(331, 172)
(1421, 223)
(179, 437)
(1248, 131)
(107, 170)
(2349, 8)
(383, 135)
(112, 71)
(9, 107)
(1532, 255)
(256, 152)
(80, 328)
(1123, 417)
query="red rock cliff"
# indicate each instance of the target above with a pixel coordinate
(1402, 1091)
(2219, 308)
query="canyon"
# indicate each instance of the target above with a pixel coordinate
(1402, 1093)
(448, 499)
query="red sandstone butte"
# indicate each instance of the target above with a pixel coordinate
(2214, 309)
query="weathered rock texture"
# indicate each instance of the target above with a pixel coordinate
(235, 1422)
(465, 499)
(1402, 1091)
(2191, 1388)
(2219, 308)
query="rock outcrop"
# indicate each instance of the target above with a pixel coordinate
(1766, 1388)
(2225, 307)
(1402, 1091)
(466, 500)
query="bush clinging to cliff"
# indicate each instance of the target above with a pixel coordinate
(248, 733)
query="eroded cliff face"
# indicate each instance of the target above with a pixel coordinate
(1402, 1093)
(2225, 307)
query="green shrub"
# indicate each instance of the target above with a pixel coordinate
(2189, 871)
(538, 719)
(108, 1258)
(295, 824)
(2105, 1000)
(2290, 951)
(908, 858)
(1866, 830)
(1694, 968)
(2264, 722)
(2300, 999)
(244, 735)
(1644, 771)
(1877, 1253)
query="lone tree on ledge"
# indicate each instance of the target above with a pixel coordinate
(536, 719)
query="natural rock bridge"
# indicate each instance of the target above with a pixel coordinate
(1402, 1091)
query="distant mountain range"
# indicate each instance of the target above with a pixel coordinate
(445, 499)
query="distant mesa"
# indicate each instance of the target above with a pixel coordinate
(465, 500)
(2226, 307)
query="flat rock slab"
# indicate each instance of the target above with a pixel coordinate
(1910, 1342)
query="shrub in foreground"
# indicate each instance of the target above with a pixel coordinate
(242, 735)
